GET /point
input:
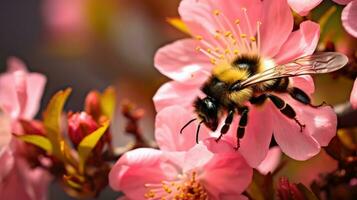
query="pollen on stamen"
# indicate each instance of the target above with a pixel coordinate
(228, 33)
(199, 37)
(237, 21)
(216, 12)
(213, 61)
(253, 39)
(243, 35)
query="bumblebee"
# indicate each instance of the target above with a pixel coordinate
(252, 79)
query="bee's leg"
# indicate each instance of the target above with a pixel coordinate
(285, 108)
(242, 124)
(227, 124)
(302, 97)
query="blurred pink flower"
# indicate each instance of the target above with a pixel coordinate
(303, 7)
(65, 16)
(20, 94)
(21, 91)
(353, 98)
(349, 16)
(208, 170)
(272, 22)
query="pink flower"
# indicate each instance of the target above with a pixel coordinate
(303, 7)
(66, 16)
(208, 170)
(348, 17)
(223, 29)
(353, 98)
(20, 93)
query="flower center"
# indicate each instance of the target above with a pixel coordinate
(184, 188)
(229, 41)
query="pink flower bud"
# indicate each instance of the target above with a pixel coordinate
(92, 104)
(287, 190)
(79, 126)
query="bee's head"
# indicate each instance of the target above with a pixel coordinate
(207, 110)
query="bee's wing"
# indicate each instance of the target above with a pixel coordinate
(314, 64)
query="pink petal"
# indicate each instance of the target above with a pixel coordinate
(35, 180)
(8, 96)
(20, 78)
(271, 161)
(342, 2)
(169, 122)
(136, 159)
(256, 135)
(302, 7)
(349, 16)
(353, 98)
(223, 146)
(5, 129)
(176, 93)
(35, 87)
(300, 43)
(320, 122)
(276, 27)
(199, 15)
(15, 64)
(294, 143)
(197, 157)
(180, 61)
(305, 83)
(7, 160)
(13, 187)
(227, 174)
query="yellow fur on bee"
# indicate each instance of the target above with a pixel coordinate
(241, 96)
(229, 74)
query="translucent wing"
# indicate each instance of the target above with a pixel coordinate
(314, 64)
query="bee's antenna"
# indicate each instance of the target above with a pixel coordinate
(198, 130)
(188, 123)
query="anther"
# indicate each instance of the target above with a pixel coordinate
(253, 39)
(228, 33)
(237, 21)
(243, 35)
(199, 37)
(216, 12)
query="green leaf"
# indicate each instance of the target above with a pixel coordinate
(261, 187)
(179, 24)
(52, 122)
(107, 102)
(37, 140)
(307, 193)
(88, 143)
